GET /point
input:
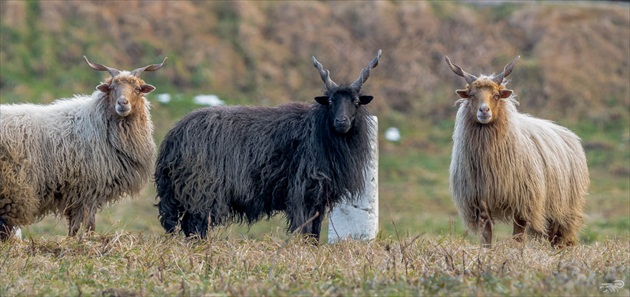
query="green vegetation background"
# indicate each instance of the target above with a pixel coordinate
(574, 70)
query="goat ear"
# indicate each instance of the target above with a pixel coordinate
(505, 93)
(463, 93)
(365, 99)
(146, 89)
(103, 88)
(323, 100)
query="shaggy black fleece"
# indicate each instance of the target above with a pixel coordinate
(240, 164)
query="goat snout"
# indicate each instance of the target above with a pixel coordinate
(342, 124)
(484, 114)
(123, 108)
(341, 121)
(123, 101)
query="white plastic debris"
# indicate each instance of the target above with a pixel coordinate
(163, 98)
(392, 134)
(210, 100)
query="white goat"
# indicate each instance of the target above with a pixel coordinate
(75, 155)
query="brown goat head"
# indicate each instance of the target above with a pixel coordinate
(485, 95)
(125, 90)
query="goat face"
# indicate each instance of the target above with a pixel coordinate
(343, 104)
(125, 92)
(486, 94)
(125, 89)
(485, 99)
(344, 101)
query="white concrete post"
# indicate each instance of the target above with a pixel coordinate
(359, 220)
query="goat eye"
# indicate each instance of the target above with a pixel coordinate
(137, 90)
(496, 97)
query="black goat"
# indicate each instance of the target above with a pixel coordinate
(222, 165)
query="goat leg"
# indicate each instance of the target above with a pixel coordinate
(518, 232)
(6, 230)
(485, 219)
(91, 225)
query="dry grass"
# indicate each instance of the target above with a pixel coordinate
(133, 264)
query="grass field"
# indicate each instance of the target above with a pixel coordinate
(138, 264)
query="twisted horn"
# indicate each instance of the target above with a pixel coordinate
(112, 71)
(365, 72)
(459, 71)
(324, 74)
(506, 71)
(152, 67)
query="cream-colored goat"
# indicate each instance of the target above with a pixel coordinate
(514, 167)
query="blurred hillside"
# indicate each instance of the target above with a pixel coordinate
(574, 64)
(574, 67)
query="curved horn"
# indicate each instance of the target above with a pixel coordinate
(459, 71)
(506, 71)
(152, 67)
(324, 74)
(365, 72)
(112, 71)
